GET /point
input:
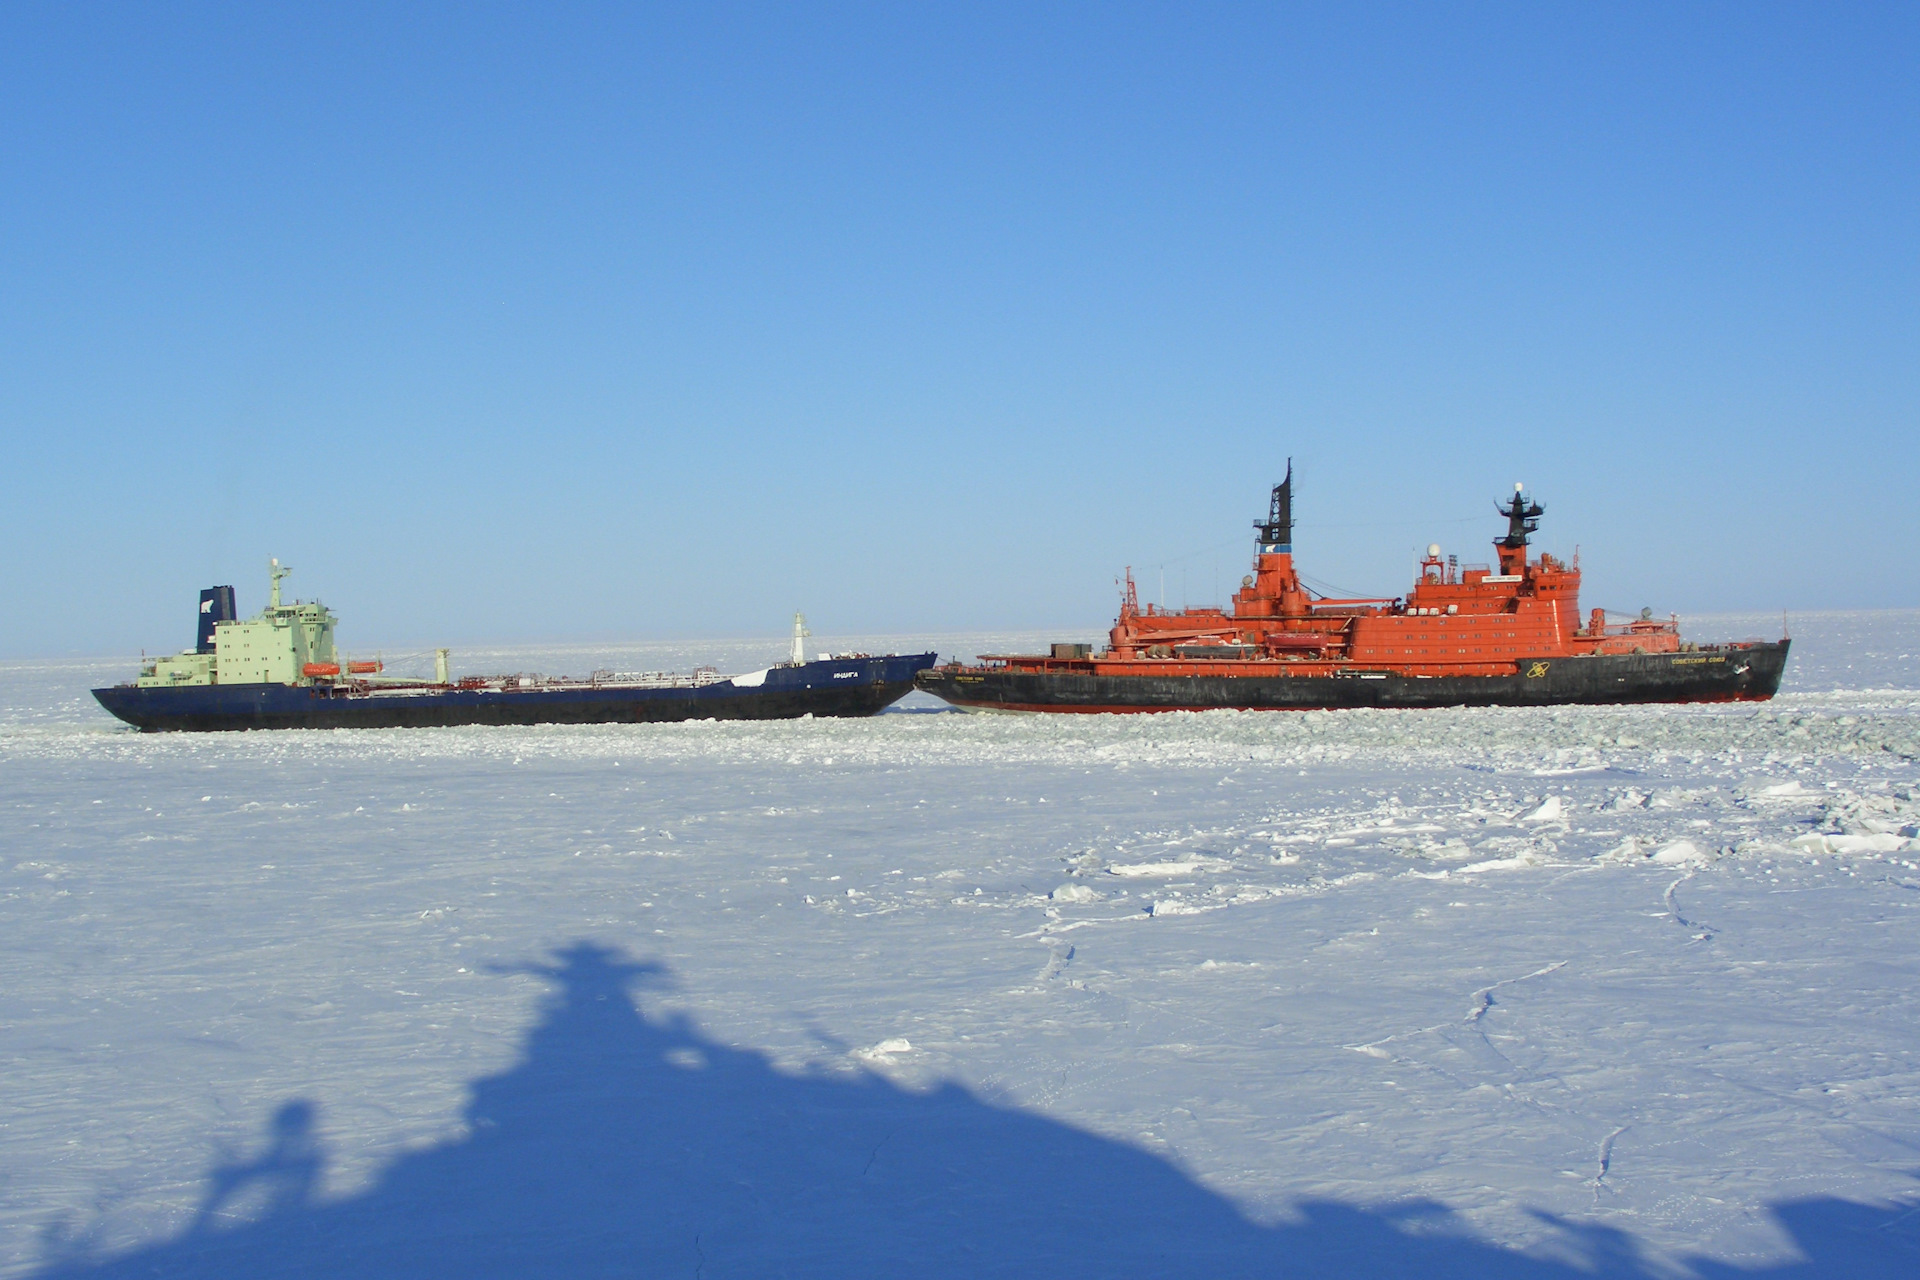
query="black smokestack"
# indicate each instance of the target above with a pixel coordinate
(1276, 531)
(216, 605)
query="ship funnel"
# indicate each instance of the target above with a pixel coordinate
(216, 605)
(1276, 531)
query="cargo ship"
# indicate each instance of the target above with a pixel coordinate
(1503, 634)
(282, 670)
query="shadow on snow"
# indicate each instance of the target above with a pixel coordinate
(626, 1145)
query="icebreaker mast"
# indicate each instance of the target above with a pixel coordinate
(278, 571)
(1523, 520)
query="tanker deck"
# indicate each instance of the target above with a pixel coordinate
(282, 670)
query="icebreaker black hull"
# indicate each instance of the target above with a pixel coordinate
(835, 687)
(1748, 673)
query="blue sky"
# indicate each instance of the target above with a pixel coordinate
(557, 322)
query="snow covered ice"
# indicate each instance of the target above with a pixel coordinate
(1617, 991)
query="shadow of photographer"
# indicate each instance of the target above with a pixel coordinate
(621, 1144)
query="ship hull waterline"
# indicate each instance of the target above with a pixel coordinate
(837, 688)
(1747, 674)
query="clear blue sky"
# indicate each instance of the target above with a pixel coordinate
(565, 321)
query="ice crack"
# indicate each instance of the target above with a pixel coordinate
(1673, 909)
(875, 1153)
(1603, 1161)
(1483, 998)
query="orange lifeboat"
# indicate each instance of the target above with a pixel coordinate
(333, 668)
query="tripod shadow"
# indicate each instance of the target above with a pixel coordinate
(627, 1145)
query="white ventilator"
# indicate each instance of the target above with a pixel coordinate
(800, 634)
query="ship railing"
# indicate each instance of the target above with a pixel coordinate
(1641, 627)
(530, 682)
(697, 678)
(1353, 608)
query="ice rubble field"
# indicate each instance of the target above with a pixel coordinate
(1536, 993)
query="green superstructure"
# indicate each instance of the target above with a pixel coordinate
(274, 647)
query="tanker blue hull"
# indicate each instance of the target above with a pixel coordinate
(835, 687)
